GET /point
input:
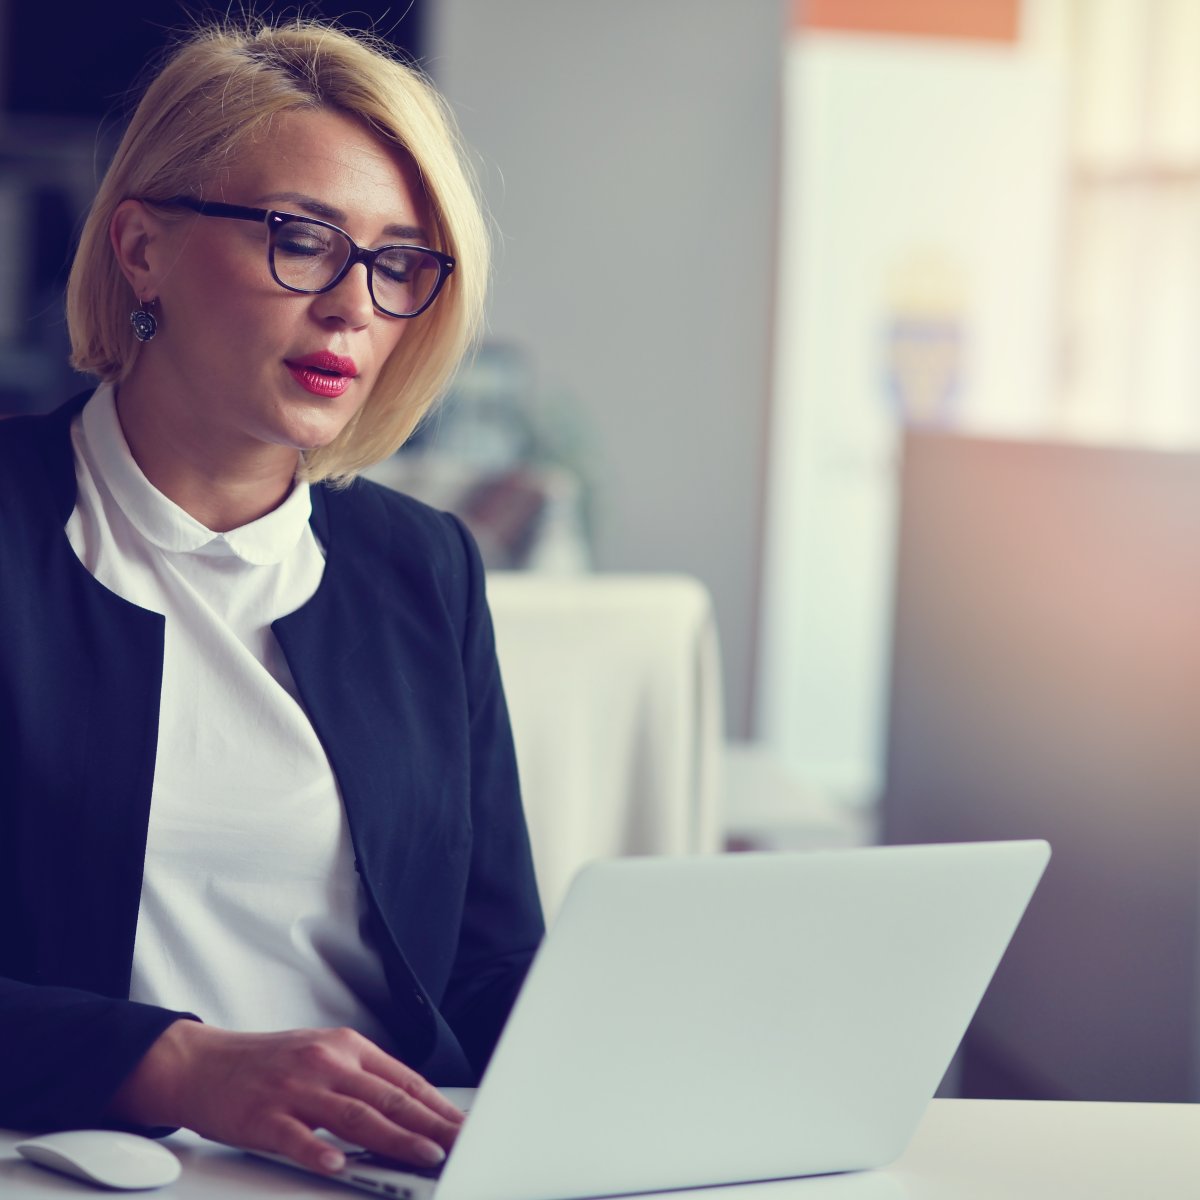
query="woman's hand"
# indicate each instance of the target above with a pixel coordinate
(269, 1091)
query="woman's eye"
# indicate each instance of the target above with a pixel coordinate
(397, 265)
(303, 244)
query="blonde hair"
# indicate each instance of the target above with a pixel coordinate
(219, 90)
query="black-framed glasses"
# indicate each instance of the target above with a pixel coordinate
(310, 256)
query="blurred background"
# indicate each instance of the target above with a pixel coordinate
(878, 318)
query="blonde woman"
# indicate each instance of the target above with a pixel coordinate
(263, 866)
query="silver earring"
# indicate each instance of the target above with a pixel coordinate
(144, 323)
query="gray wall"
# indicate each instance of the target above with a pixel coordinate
(628, 152)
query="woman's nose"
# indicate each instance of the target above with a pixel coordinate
(349, 301)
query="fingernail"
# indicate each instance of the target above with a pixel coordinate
(431, 1154)
(332, 1160)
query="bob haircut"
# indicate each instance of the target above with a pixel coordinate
(214, 100)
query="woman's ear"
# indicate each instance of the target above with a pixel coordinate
(133, 232)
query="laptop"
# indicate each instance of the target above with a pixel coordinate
(698, 1021)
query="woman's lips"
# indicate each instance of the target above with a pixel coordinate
(323, 374)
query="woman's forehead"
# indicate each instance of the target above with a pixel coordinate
(335, 160)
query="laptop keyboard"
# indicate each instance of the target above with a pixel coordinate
(368, 1158)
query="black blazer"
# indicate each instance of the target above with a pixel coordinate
(394, 660)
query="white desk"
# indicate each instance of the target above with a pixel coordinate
(963, 1150)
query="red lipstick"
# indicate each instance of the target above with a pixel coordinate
(323, 373)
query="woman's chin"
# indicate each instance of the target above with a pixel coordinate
(313, 432)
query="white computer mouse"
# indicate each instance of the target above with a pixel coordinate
(104, 1156)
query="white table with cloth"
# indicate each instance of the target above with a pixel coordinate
(614, 689)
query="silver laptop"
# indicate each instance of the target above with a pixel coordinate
(699, 1021)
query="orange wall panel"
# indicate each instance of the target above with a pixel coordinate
(985, 20)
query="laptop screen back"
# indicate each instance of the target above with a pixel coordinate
(711, 1020)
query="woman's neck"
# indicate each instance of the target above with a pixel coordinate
(223, 486)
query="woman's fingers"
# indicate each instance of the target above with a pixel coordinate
(356, 1099)
(295, 1140)
(408, 1081)
(365, 1125)
(407, 1111)
(270, 1091)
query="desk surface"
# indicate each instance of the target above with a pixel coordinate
(973, 1149)
(976, 1149)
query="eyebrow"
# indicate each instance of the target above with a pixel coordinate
(326, 212)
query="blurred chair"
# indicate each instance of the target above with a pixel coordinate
(614, 688)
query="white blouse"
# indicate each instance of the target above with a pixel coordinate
(252, 915)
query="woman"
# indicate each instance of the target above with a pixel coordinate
(257, 772)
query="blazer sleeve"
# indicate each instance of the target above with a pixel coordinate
(502, 921)
(64, 1053)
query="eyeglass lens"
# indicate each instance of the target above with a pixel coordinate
(308, 256)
